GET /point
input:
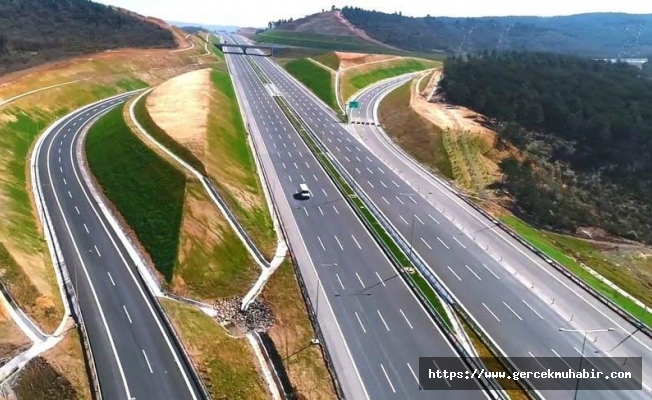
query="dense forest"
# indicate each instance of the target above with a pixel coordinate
(584, 126)
(600, 35)
(37, 31)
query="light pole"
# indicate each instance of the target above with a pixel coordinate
(584, 332)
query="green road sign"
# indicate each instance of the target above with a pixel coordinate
(354, 104)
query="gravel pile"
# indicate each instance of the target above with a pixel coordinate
(258, 316)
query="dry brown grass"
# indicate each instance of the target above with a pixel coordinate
(348, 60)
(213, 263)
(60, 373)
(226, 365)
(13, 339)
(186, 95)
(292, 333)
(26, 268)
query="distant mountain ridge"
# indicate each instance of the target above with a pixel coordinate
(608, 35)
(33, 32)
(598, 35)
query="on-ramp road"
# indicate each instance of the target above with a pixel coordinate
(134, 354)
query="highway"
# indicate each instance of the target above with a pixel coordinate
(134, 354)
(520, 301)
(373, 325)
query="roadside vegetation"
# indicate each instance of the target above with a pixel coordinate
(147, 191)
(213, 263)
(572, 253)
(354, 79)
(419, 137)
(227, 365)
(318, 41)
(319, 80)
(292, 334)
(25, 266)
(329, 59)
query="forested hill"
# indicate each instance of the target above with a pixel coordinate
(586, 127)
(36, 31)
(599, 35)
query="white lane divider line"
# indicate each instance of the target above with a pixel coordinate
(473, 272)
(340, 281)
(360, 321)
(453, 272)
(380, 279)
(306, 211)
(442, 242)
(491, 312)
(385, 199)
(383, 183)
(412, 198)
(512, 310)
(97, 251)
(320, 210)
(406, 320)
(538, 362)
(399, 200)
(401, 217)
(64, 181)
(77, 209)
(85, 227)
(338, 242)
(433, 218)
(111, 278)
(148, 364)
(426, 243)
(356, 242)
(321, 243)
(388, 380)
(127, 313)
(395, 184)
(418, 219)
(381, 170)
(492, 272)
(458, 242)
(336, 212)
(360, 280)
(323, 190)
(533, 310)
(382, 319)
(69, 194)
(437, 366)
(372, 186)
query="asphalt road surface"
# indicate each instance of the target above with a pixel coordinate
(518, 299)
(377, 330)
(134, 355)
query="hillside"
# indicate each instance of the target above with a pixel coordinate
(34, 32)
(603, 35)
(324, 30)
(585, 127)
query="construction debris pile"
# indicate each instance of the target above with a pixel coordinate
(258, 317)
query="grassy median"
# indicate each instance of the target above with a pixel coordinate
(317, 79)
(147, 190)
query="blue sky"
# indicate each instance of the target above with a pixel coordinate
(258, 12)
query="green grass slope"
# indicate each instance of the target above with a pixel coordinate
(318, 41)
(316, 78)
(146, 190)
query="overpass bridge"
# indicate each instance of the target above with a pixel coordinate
(244, 48)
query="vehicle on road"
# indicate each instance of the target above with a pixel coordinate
(304, 192)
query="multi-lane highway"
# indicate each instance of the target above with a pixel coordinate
(520, 302)
(134, 354)
(374, 326)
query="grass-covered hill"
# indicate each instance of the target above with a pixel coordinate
(603, 35)
(585, 127)
(33, 32)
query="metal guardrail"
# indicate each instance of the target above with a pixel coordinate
(560, 268)
(302, 284)
(490, 385)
